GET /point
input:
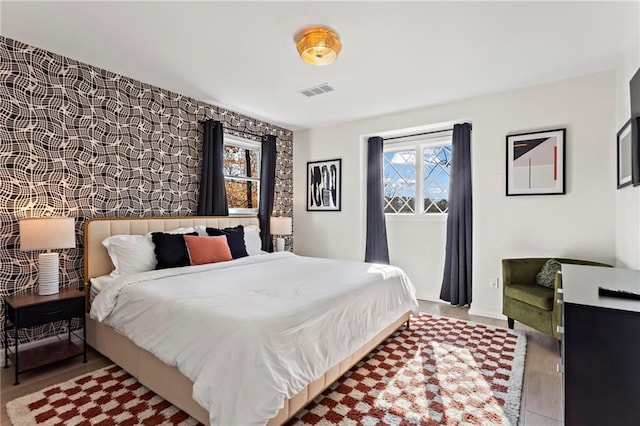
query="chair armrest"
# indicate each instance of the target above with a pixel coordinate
(556, 310)
(521, 271)
(557, 291)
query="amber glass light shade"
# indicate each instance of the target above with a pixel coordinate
(318, 45)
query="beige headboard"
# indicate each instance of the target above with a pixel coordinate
(96, 258)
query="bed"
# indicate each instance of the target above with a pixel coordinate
(169, 380)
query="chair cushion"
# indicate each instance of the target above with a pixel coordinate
(534, 295)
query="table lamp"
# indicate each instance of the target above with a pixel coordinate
(47, 233)
(280, 226)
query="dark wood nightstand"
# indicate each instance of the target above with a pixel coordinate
(29, 310)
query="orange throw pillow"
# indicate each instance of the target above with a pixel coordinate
(207, 249)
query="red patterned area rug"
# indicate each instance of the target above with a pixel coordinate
(441, 371)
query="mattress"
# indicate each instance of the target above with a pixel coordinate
(241, 338)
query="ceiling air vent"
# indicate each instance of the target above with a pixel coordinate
(316, 90)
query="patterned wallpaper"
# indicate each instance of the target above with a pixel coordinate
(80, 141)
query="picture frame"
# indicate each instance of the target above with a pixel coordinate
(624, 155)
(635, 151)
(536, 163)
(324, 185)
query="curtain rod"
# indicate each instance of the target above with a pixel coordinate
(418, 134)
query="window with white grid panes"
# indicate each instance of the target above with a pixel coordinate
(416, 176)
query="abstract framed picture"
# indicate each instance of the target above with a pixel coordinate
(635, 151)
(535, 163)
(324, 185)
(624, 157)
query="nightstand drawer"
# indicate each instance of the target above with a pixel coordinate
(45, 313)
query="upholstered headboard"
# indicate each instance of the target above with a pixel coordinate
(96, 258)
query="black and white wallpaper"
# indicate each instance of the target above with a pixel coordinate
(80, 141)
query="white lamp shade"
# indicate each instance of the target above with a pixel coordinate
(280, 225)
(47, 233)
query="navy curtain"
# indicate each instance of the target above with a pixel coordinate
(212, 200)
(267, 187)
(456, 283)
(377, 250)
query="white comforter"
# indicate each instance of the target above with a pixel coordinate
(254, 331)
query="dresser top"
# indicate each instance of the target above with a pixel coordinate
(580, 285)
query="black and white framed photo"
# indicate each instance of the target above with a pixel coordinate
(624, 155)
(324, 185)
(535, 163)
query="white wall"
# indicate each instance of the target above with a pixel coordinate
(425, 252)
(628, 198)
(579, 224)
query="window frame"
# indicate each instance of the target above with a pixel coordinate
(239, 142)
(418, 144)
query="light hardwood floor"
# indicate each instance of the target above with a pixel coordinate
(541, 393)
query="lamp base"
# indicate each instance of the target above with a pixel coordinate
(279, 244)
(48, 274)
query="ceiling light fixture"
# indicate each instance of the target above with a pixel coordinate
(318, 45)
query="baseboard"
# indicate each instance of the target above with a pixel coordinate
(45, 341)
(485, 313)
(429, 299)
(472, 310)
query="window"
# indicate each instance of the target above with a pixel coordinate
(242, 175)
(417, 187)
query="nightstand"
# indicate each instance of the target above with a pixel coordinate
(30, 310)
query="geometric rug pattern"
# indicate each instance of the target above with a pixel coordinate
(440, 371)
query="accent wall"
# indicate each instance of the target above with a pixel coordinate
(84, 142)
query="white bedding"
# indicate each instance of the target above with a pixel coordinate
(254, 331)
(99, 283)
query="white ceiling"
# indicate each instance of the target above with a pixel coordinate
(396, 55)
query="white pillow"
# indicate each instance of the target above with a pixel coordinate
(180, 230)
(252, 240)
(201, 230)
(130, 254)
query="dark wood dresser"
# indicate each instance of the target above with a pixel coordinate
(600, 347)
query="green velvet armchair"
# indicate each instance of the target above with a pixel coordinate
(529, 303)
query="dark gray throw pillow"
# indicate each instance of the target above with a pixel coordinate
(235, 239)
(171, 250)
(547, 275)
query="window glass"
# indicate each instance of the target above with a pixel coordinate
(400, 181)
(242, 194)
(417, 187)
(241, 161)
(436, 169)
(241, 166)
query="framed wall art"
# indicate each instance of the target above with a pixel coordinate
(535, 163)
(624, 155)
(324, 185)
(635, 151)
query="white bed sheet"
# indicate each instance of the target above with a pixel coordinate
(98, 284)
(257, 329)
